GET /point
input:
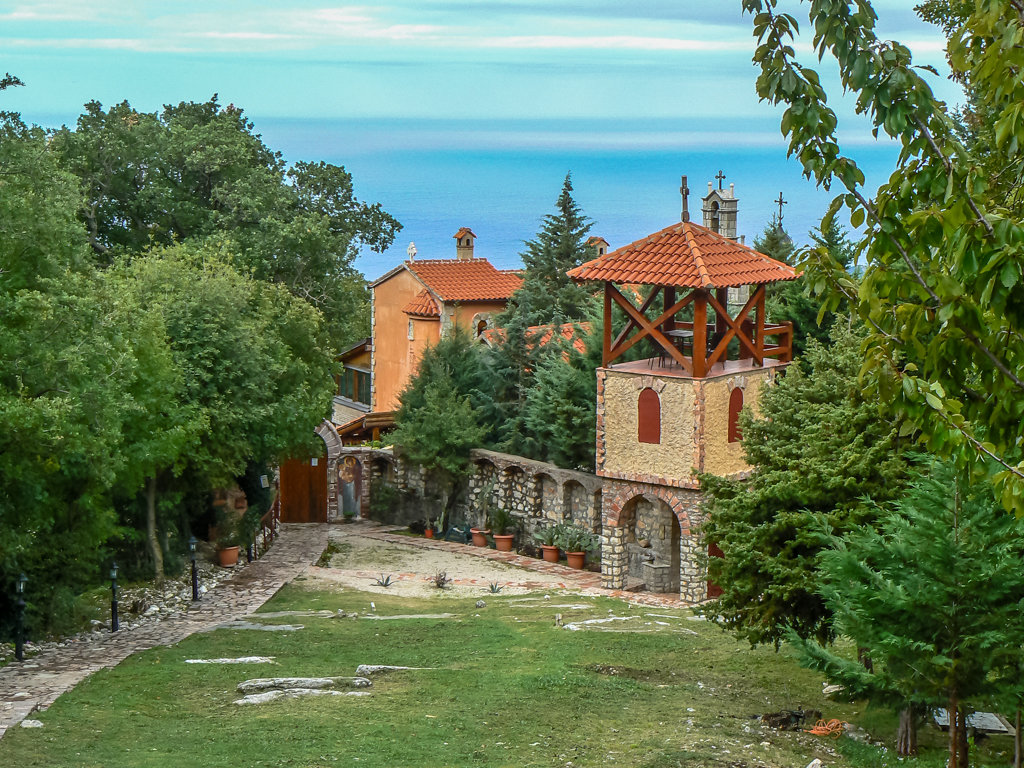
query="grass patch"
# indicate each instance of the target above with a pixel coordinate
(506, 688)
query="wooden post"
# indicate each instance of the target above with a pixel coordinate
(700, 334)
(759, 330)
(606, 352)
(722, 295)
(670, 299)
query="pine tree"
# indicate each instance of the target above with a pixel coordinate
(547, 294)
(790, 300)
(817, 449)
(934, 596)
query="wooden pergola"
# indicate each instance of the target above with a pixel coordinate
(701, 265)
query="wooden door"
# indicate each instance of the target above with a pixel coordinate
(713, 589)
(304, 490)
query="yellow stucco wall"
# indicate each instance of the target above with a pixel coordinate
(720, 456)
(394, 355)
(674, 456)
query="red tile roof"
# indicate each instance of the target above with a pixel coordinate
(542, 333)
(465, 280)
(422, 306)
(464, 231)
(685, 255)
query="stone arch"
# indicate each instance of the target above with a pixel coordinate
(576, 505)
(332, 440)
(482, 321)
(624, 494)
(650, 536)
(515, 490)
(551, 504)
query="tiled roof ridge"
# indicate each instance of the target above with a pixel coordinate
(698, 257)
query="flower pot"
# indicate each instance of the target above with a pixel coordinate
(576, 559)
(227, 556)
(551, 553)
(429, 533)
(480, 536)
(503, 541)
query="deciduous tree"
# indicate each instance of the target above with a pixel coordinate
(944, 241)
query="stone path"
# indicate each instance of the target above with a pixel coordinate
(36, 683)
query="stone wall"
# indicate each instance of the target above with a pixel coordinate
(648, 532)
(619, 450)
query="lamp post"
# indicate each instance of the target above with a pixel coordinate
(114, 626)
(195, 572)
(19, 625)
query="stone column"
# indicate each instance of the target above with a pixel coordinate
(693, 579)
(613, 557)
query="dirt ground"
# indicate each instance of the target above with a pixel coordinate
(359, 561)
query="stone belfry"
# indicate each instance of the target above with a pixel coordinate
(664, 421)
(720, 208)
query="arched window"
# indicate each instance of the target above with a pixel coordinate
(714, 217)
(481, 326)
(735, 406)
(648, 417)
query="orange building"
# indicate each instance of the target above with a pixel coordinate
(420, 300)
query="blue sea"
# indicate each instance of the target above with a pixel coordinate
(500, 178)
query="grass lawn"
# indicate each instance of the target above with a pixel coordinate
(508, 688)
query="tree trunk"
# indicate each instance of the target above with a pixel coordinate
(1018, 743)
(152, 538)
(953, 713)
(961, 739)
(906, 738)
(865, 659)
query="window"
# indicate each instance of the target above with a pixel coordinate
(411, 335)
(648, 412)
(354, 384)
(735, 406)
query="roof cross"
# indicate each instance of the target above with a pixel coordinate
(781, 202)
(721, 178)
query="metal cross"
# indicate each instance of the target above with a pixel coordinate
(781, 202)
(721, 178)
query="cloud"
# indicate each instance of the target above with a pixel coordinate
(618, 42)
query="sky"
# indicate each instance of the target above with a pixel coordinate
(351, 82)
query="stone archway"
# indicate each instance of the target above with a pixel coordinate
(650, 538)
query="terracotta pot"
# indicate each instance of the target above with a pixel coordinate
(503, 541)
(429, 533)
(576, 559)
(551, 553)
(227, 556)
(480, 536)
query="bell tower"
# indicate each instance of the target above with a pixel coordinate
(664, 420)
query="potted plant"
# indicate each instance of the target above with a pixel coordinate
(228, 539)
(502, 523)
(429, 530)
(576, 542)
(480, 532)
(548, 539)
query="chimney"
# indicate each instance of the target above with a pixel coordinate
(464, 239)
(599, 244)
(685, 192)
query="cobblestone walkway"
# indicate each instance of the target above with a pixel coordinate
(36, 683)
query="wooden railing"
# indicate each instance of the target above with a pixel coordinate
(270, 523)
(783, 348)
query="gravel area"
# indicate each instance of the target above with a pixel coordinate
(360, 561)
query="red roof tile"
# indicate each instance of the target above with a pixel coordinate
(465, 280)
(464, 231)
(543, 333)
(685, 255)
(422, 306)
